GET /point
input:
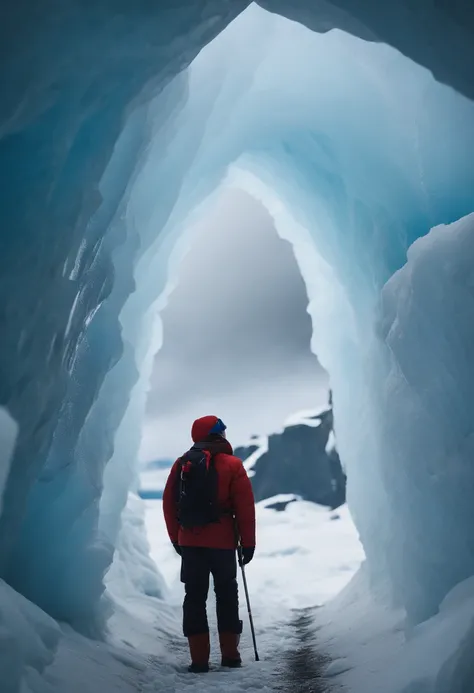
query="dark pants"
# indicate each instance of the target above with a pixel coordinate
(196, 567)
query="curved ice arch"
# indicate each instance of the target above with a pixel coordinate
(363, 152)
(358, 146)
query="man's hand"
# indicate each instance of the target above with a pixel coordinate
(177, 548)
(246, 554)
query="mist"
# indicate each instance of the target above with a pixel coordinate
(236, 334)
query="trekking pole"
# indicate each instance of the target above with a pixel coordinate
(244, 579)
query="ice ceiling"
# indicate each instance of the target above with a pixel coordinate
(108, 148)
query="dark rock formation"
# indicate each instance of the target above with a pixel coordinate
(297, 462)
(245, 452)
(281, 505)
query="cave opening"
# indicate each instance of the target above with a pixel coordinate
(236, 337)
(355, 150)
(236, 332)
(351, 148)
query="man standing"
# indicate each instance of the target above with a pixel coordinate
(208, 504)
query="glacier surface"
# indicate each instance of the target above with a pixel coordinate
(109, 152)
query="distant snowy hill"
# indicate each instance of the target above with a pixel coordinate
(299, 462)
(153, 477)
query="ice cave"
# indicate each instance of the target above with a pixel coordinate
(352, 122)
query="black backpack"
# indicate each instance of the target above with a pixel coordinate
(197, 489)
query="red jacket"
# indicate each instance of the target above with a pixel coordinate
(234, 492)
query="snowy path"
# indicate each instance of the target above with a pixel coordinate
(289, 663)
(273, 643)
(350, 644)
(305, 556)
(304, 665)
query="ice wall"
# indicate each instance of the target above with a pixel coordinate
(72, 78)
(437, 36)
(8, 435)
(360, 149)
(426, 429)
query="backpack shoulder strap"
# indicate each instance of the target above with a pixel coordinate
(198, 452)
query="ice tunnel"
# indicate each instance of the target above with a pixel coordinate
(358, 140)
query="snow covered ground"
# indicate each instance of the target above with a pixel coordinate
(305, 556)
(372, 650)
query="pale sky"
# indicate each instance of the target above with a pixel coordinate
(236, 334)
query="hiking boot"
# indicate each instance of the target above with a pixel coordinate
(231, 663)
(229, 643)
(199, 649)
(198, 668)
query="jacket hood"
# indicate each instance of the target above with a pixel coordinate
(202, 427)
